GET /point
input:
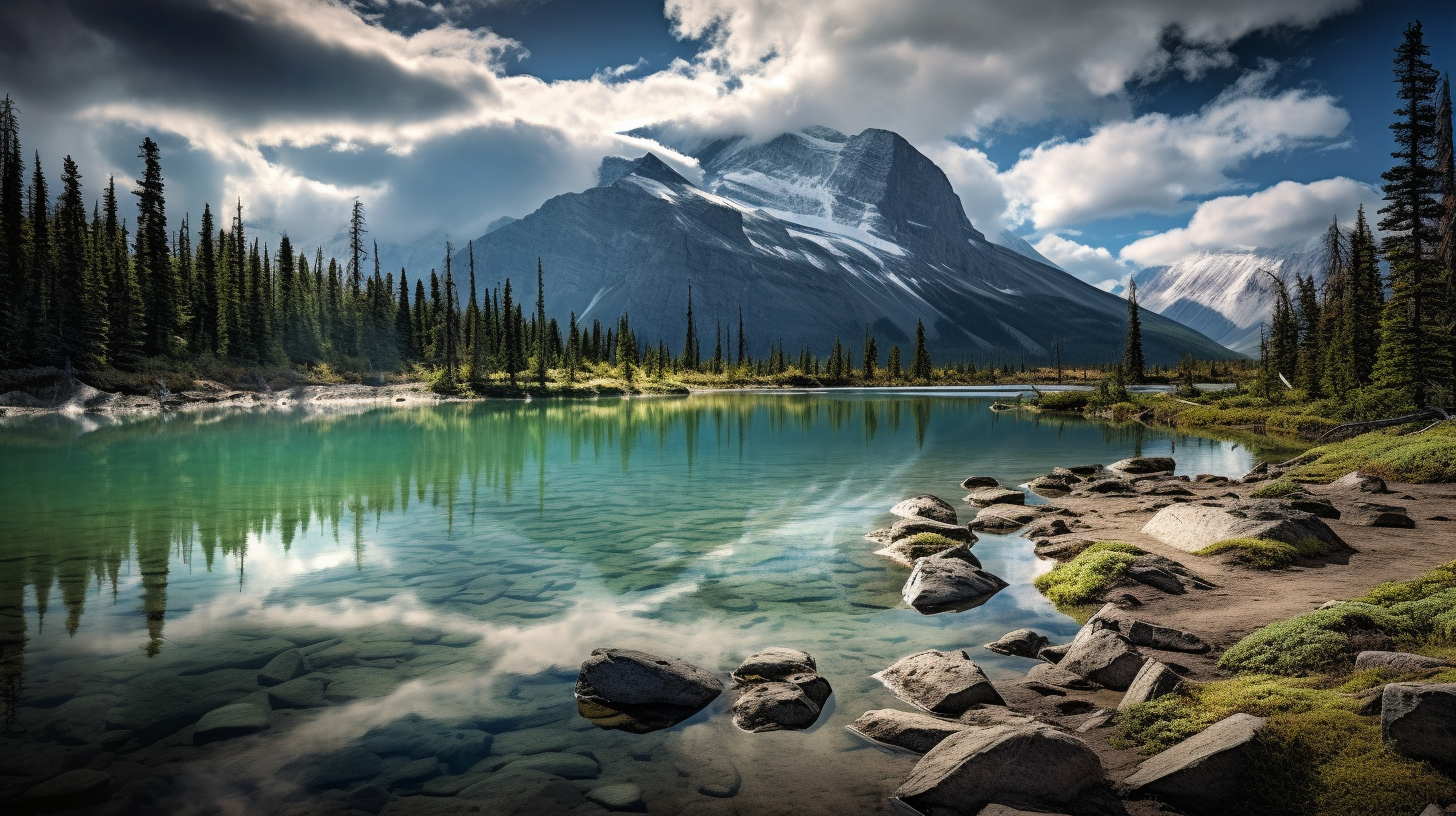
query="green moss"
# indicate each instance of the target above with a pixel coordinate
(1085, 579)
(1266, 554)
(1276, 489)
(1428, 457)
(1437, 580)
(931, 540)
(1064, 400)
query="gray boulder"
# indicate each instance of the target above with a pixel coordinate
(1062, 548)
(1357, 482)
(774, 663)
(973, 482)
(1047, 527)
(228, 722)
(1370, 514)
(995, 495)
(1054, 675)
(912, 731)
(1153, 680)
(1050, 485)
(1191, 527)
(907, 551)
(1020, 643)
(1205, 774)
(1149, 635)
(1103, 656)
(814, 686)
(633, 678)
(774, 706)
(284, 667)
(1419, 721)
(906, 527)
(940, 682)
(1026, 766)
(1105, 486)
(1006, 518)
(926, 506)
(950, 581)
(1054, 654)
(1398, 662)
(1144, 464)
(1152, 571)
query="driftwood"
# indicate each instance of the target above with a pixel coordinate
(1438, 414)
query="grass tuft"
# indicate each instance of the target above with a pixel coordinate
(1266, 554)
(1277, 489)
(1085, 579)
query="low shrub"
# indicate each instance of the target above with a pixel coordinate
(1064, 400)
(1419, 458)
(1277, 489)
(1266, 554)
(1085, 579)
(1307, 425)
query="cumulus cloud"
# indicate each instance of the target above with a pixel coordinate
(1288, 211)
(1156, 162)
(1095, 265)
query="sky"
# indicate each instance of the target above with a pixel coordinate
(1114, 135)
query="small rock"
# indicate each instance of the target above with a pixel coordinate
(1047, 528)
(1006, 518)
(1070, 708)
(1156, 577)
(926, 506)
(1020, 643)
(1054, 654)
(1025, 765)
(1204, 774)
(1098, 719)
(71, 789)
(912, 731)
(1357, 482)
(1104, 657)
(337, 768)
(1369, 514)
(1154, 680)
(1419, 721)
(950, 581)
(619, 797)
(1106, 486)
(1050, 485)
(566, 766)
(774, 663)
(1398, 662)
(907, 551)
(774, 706)
(995, 495)
(284, 667)
(973, 482)
(940, 682)
(814, 686)
(906, 527)
(1144, 464)
(629, 677)
(228, 722)
(301, 692)
(1054, 675)
(417, 771)
(369, 798)
(1315, 507)
(1062, 548)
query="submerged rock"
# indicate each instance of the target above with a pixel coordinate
(1205, 774)
(774, 706)
(774, 663)
(926, 506)
(973, 482)
(940, 682)
(1020, 643)
(1028, 766)
(950, 581)
(909, 730)
(1419, 721)
(634, 691)
(228, 722)
(72, 789)
(284, 667)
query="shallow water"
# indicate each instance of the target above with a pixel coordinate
(449, 567)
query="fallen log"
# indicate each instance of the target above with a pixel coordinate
(1353, 428)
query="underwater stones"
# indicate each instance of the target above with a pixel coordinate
(417, 738)
(619, 797)
(904, 528)
(987, 496)
(636, 691)
(1144, 464)
(368, 798)
(228, 722)
(230, 653)
(286, 666)
(940, 682)
(337, 768)
(1419, 721)
(1153, 680)
(1029, 766)
(564, 765)
(773, 706)
(1019, 643)
(71, 789)
(950, 581)
(926, 506)
(300, 692)
(1103, 656)
(1204, 774)
(347, 685)
(909, 730)
(774, 663)
(153, 706)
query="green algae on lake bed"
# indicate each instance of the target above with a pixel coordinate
(443, 571)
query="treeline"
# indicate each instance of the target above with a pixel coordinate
(1361, 334)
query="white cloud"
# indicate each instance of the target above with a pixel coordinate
(1155, 163)
(1288, 211)
(1095, 265)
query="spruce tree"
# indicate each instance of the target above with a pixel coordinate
(473, 322)
(1312, 342)
(1283, 333)
(1132, 353)
(1336, 319)
(450, 325)
(72, 272)
(511, 339)
(543, 348)
(12, 250)
(871, 355)
(1367, 300)
(96, 298)
(892, 365)
(403, 327)
(742, 346)
(40, 272)
(573, 350)
(1446, 219)
(920, 364)
(153, 258)
(690, 356)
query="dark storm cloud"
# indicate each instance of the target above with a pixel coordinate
(243, 69)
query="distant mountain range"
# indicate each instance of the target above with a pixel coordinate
(815, 235)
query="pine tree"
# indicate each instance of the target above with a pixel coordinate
(403, 326)
(124, 313)
(154, 263)
(511, 340)
(1283, 332)
(543, 348)
(1337, 318)
(1446, 220)
(12, 217)
(690, 356)
(742, 346)
(573, 350)
(353, 300)
(473, 322)
(892, 365)
(40, 270)
(1132, 353)
(1312, 342)
(205, 308)
(72, 268)
(871, 355)
(96, 299)
(1367, 300)
(420, 323)
(920, 364)
(450, 325)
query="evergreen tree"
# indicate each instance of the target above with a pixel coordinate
(871, 355)
(690, 357)
(96, 297)
(1367, 299)
(420, 323)
(1132, 352)
(892, 365)
(204, 309)
(543, 348)
(1312, 342)
(573, 350)
(1446, 219)
(72, 268)
(450, 325)
(920, 364)
(1337, 321)
(473, 322)
(353, 300)
(511, 341)
(40, 271)
(742, 347)
(125, 310)
(153, 259)
(1283, 333)
(403, 326)
(12, 217)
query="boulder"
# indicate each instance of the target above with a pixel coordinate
(1054, 654)
(1105, 486)
(1103, 656)
(940, 682)
(1205, 774)
(973, 482)
(336, 769)
(1020, 643)
(1315, 507)
(1419, 721)
(1050, 485)
(950, 581)
(72, 789)
(629, 677)
(1026, 766)
(1357, 482)
(300, 692)
(815, 686)
(1006, 518)
(908, 550)
(926, 506)
(1191, 527)
(912, 731)
(904, 528)
(1062, 548)
(775, 663)
(1398, 662)
(1144, 464)
(284, 667)
(1370, 514)
(1153, 680)
(995, 495)
(622, 796)
(228, 722)
(1053, 675)
(1047, 527)
(774, 706)
(1146, 571)
(1079, 470)
(1150, 635)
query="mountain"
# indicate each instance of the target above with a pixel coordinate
(1016, 243)
(815, 235)
(1228, 295)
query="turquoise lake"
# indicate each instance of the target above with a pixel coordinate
(446, 568)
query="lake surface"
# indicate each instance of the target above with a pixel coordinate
(448, 567)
